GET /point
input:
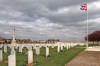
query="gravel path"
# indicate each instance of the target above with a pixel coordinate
(86, 58)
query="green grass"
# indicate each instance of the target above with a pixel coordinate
(93, 45)
(54, 59)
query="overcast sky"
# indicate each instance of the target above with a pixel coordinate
(48, 19)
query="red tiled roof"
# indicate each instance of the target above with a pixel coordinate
(2, 40)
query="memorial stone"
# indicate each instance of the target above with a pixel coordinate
(5, 48)
(37, 50)
(1, 56)
(11, 60)
(47, 51)
(58, 48)
(30, 57)
(61, 47)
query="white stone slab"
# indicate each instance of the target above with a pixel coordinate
(61, 47)
(47, 51)
(1, 56)
(20, 49)
(11, 60)
(5, 48)
(58, 48)
(37, 50)
(30, 57)
(1, 45)
(67, 46)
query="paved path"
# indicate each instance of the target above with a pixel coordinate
(86, 58)
(96, 48)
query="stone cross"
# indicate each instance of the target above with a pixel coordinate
(13, 40)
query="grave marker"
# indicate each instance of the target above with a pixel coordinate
(1, 56)
(47, 51)
(58, 48)
(11, 60)
(37, 50)
(30, 57)
(5, 48)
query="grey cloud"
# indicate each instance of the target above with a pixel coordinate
(24, 15)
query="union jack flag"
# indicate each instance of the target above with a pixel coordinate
(84, 7)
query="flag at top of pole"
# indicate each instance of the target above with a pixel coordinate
(84, 7)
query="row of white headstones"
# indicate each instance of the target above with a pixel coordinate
(12, 56)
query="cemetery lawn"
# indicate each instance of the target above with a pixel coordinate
(54, 59)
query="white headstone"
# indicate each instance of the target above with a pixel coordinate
(20, 49)
(1, 56)
(64, 45)
(58, 48)
(70, 45)
(73, 45)
(33, 46)
(67, 46)
(5, 48)
(11, 60)
(61, 47)
(1, 45)
(37, 50)
(47, 51)
(53, 46)
(30, 57)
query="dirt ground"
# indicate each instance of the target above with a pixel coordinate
(86, 58)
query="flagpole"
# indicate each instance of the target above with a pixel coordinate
(87, 28)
